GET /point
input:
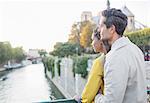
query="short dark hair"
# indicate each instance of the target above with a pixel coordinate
(117, 18)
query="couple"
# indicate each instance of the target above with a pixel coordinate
(118, 75)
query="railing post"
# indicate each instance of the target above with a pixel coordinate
(77, 84)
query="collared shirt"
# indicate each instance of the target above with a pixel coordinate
(124, 74)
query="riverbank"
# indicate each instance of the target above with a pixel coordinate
(2, 69)
(56, 94)
(2, 73)
(59, 87)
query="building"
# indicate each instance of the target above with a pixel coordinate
(86, 16)
(132, 23)
(130, 15)
(33, 53)
(34, 56)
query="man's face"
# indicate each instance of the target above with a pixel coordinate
(104, 31)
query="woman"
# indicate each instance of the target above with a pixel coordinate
(95, 82)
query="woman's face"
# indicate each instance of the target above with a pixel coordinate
(97, 44)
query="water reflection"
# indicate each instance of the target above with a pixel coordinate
(25, 85)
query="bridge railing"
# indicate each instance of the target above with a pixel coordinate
(70, 100)
(60, 101)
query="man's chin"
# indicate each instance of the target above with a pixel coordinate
(103, 39)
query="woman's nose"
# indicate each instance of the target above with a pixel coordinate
(92, 43)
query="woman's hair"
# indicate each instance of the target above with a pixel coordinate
(98, 36)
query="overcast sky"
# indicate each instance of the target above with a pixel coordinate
(42, 23)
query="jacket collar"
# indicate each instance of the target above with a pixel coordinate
(121, 42)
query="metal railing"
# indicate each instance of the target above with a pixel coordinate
(60, 101)
(73, 100)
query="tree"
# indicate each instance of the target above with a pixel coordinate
(74, 37)
(57, 45)
(140, 37)
(42, 53)
(86, 34)
(5, 52)
(18, 54)
(66, 49)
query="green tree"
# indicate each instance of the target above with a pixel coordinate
(80, 65)
(42, 53)
(57, 45)
(66, 49)
(140, 37)
(5, 52)
(18, 54)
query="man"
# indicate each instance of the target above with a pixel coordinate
(124, 72)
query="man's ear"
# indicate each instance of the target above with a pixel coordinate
(112, 29)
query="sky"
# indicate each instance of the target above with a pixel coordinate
(41, 23)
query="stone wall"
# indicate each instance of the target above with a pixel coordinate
(70, 85)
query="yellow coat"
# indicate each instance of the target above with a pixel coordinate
(95, 81)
